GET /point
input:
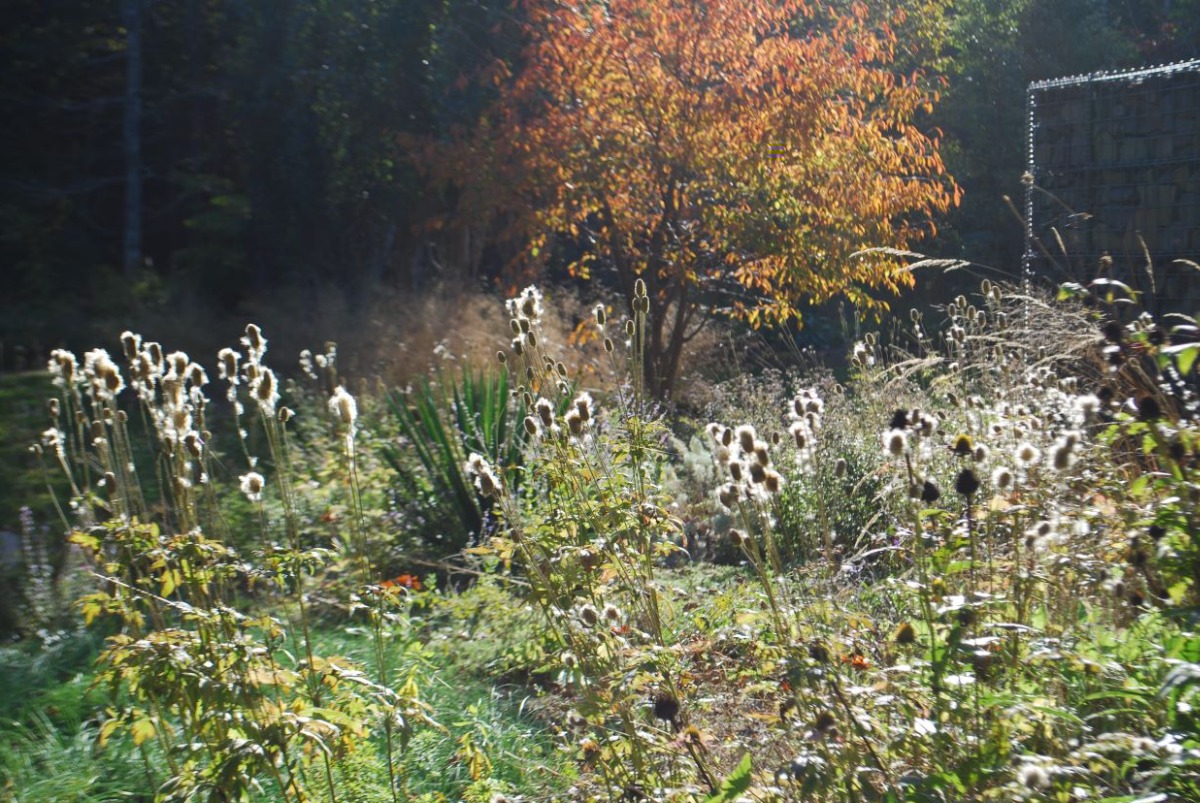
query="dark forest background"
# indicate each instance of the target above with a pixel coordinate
(174, 162)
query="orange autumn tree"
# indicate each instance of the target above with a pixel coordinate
(735, 154)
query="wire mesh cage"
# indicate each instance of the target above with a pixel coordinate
(1114, 170)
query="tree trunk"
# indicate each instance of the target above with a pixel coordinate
(131, 18)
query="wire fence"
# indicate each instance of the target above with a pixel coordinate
(1114, 170)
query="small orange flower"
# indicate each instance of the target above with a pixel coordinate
(410, 581)
(857, 660)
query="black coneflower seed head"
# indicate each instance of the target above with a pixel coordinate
(905, 634)
(899, 419)
(1149, 409)
(824, 721)
(963, 446)
(1137, 556)
(666, 707)
(930, 493)
(1157, 531)
(967, 482)
(1113, 331)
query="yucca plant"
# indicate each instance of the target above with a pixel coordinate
(442, 421)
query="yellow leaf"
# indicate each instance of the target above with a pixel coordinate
(141, 730)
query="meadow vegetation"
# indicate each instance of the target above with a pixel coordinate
(963, 567)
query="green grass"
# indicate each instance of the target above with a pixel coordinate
(49, 721)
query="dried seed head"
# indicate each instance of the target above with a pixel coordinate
(255, 343)
(131, 344)
(1027, 455)
(574, 422)
(583, 404)
(666, 706)
(266, 390)
(530, 303)
(343, 407)
(252, 485)
(639, 288)
(227, 365)
(1002, 478)
(758, 473)
(895, 442)
(905, 634)
(746, 436)
(609, 346)
(545, 411)
(589, 615)
(839, 468)
(967, 482)
(601, 314)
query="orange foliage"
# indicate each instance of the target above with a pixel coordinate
(734, 153)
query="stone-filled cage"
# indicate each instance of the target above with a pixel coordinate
(1114, 163)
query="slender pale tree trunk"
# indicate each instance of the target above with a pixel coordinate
(131, 18)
